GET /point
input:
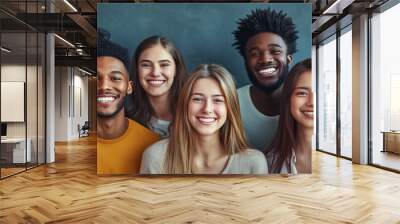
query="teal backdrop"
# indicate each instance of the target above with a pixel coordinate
(202, 32)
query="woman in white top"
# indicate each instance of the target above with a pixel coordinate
(206, 136)
(159, 75)
(290, 151)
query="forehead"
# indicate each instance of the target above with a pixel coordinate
(156, 52)
(304, 80)
(106, 64)
(265, 39)
(207, 86)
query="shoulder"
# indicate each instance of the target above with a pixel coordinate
(244, 90)
(244, 98)
(137, 128)
(253, 155)
(153, 158)
(157, 149)
(251, 161)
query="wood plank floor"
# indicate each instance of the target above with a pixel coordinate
(69, 191)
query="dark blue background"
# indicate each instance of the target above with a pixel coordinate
(202, 32)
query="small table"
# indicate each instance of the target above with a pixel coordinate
(391, 141)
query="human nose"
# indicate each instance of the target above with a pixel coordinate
(310, 100)
(208, 106)
(156, 71)
(265, 57)
(103, 84)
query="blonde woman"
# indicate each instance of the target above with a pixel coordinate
(206, 135)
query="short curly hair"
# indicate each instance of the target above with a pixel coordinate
(265, 20)
(105, 47)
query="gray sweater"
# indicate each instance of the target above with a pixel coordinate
(249, 162)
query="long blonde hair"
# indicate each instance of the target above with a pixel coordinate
(181, 144)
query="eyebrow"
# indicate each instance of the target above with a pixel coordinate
(269, 45)
(165, 60)
(160, 61)
(215, 95)
(303, 87)
(116, 72)
(145, 60)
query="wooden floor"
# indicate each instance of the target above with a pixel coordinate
(70, 192)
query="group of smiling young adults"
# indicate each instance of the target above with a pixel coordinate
(199, 122)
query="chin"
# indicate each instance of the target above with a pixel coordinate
(202, 132)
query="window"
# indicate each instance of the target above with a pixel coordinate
(385, 88)
(346, 92)
(327, 96)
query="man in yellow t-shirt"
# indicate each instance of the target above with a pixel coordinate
(120, 141)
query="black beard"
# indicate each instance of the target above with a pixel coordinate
(270, 88)
(120, 106)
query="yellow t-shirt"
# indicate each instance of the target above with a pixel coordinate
(123, 155)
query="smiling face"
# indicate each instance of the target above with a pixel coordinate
(267, 60)
(156, 70)
(112, 86)
(207, 108)
(301, 101)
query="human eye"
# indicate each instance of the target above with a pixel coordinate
(145, 65)
(163, 65)
(254, 53)
(219, 100)
(197, 99)
(116, 77)
(276, 51)
(301, 93)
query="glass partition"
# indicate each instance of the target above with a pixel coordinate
(385, 89)
(13, 88)
(23, 87)
(346, 92)
(326, 104)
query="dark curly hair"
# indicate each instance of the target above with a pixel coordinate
(265, 20)
(105, 47)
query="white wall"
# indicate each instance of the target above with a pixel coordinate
(71, 102)
(33, 126)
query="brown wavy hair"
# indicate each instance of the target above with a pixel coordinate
(181, 144)
(141, 110)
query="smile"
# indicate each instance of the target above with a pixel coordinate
(156, 82)
(309, 114)
(206, 120)
(267, 71)
(105, 99)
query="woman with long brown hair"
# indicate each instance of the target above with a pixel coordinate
(206, 135)
(159, 75)
(290, 151)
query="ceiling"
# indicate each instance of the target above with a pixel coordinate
(75, 22)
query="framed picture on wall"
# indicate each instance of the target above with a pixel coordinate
(217, 88)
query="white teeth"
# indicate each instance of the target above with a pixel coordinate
(156, 82)
(309, 113)
(206, 119)
(105, 99)
(267, 71)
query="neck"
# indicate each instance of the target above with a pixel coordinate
(303, 140)
(161, 107)
(208, 147)
(112, 127)
(268, 103)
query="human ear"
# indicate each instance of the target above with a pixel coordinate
(289, 58)
(130, 87)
